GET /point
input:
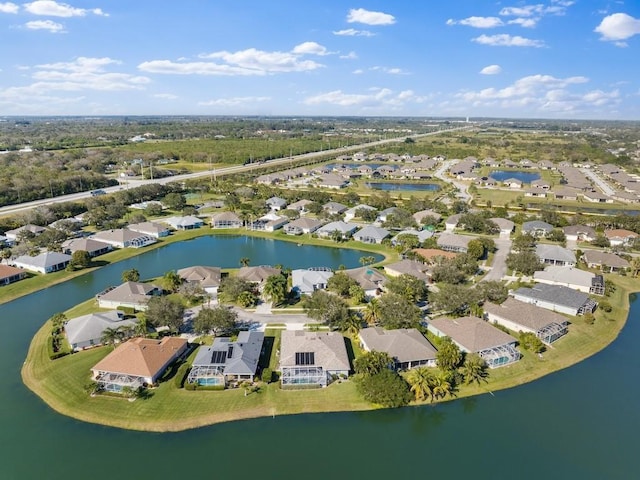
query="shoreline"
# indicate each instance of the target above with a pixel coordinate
(59, 383)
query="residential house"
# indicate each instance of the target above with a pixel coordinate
(370, 279)
(432, 255)
(154, 229)
(421, 235)
(519, 316)
(555, 255)
(307, 281)
(571, 277)
(566, 193)
(537, 228)
(451, 223)
(226, 220)
(556, 298)
(334, 208)
(134, 295)
(186, 222)
(93, 247)
(406, 346)
(276, 203)
(209, 278)
(345, 229)
(227, 361)
(384, 215)
(9, 274)
(452, 242)
(258, 274)
(474, 335)
(536, 192)
(371, 234)
(333, 181)
(350, 214)
(137, 362)
(620, 237)
(302, 225)
(579, 233)
(269, 222)
(29, 229)
(410, 267)
(542, 184)
(605, 261)
(435, 217)
(506, 226)
(312, 358)
(87, 331)
(300, 206)
(123, 238)
(47, 262)
(512, 183)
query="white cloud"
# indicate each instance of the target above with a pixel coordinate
(557, 7)
(378, 97)
(389, 70)
(48, 25)
(352, 32)
(349, 56)
(505, 40)
(242, 63)
(360, 15)
(618, 26)
(233, 101)
(524, 22)
(358, 71)
(491, 70)
(8, 7)
(166, 96)
(51, 8)
(310, 48)
(477, 22)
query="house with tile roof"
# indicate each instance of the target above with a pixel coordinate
(406, 346)
(136, 363)
(620, 237)
(414, 268)
(9, 274)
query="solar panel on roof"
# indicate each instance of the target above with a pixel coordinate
(305, 358)
(218, 356)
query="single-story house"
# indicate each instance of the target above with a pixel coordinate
(187, 222)
(433, 254)
(596, 197)
(9, 274)
(571, 277)
(610, 261)
(13, 235)
(620, 236)
(154, 229)
(137, 362)
(208, 278)
(334, 208)
(123, 238)
(302, 225)
(519, 316)
(451, 223)
(276, 203)
(87, 331)
(269, 222)
(371, 234)
(579, 233)
(307, 281)
(226, 220)
(331, 180)
(384, 215)
(421, 235)
(257, 274)
(406, 346)
(537, 228)
(430, 214)
(474, 335)
(370, 279)
(410, 267)
(506, 226)
(556, 298)
(512, 183)
(566, 193)
(227, 361)
(46, 262)
(90, 245)
(555, 255)
(540, 183)
(345, 229)
(536, 192)
(300, 206)
(452, 242)
(312, 358)
(350, 214)
(130, 294)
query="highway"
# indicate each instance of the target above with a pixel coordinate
(287, 162)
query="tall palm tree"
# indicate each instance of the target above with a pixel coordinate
(421, 380)
(275, 288)
(110, 336)
(244, 261)
(442, 385)
(372, 312)
(474, 369)
(352, 324)
(171, 281)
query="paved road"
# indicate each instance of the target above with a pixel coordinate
(499, 267)
(441, 173)
(219, 172)
(599, 181)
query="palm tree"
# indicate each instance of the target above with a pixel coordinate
(372, 312)
(275, 288)
(171, 281)
(244, 261)
(110, 336)
(442, 385)
(367, 260)
(635, 265)
(6, 254)
(474, 369)
(352, 324)
(421, 380)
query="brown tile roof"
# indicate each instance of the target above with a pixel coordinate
(142, 357)
(9, 271)
(431, 253)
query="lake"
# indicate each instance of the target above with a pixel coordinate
(411, 187)
(524, 177)
(579, 423)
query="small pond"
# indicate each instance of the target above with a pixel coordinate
(412, 187)
(524, 177)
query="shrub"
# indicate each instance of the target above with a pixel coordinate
(181, 375)
(190, 386)
(589, 318)
(267, 375)
(605, 306)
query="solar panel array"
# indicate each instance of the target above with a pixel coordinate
(305, 358)
(218, 356)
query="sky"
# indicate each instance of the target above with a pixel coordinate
(559, 59)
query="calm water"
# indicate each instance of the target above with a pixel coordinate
(580, 423)
(524, 177)
(412, 187)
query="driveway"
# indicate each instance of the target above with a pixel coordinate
(499, 267)
(441, 173)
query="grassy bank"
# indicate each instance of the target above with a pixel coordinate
(60, 383)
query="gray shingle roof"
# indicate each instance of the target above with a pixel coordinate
(473, 334)
(556, 294)
(566, 275)
(329, 349)
(91, 327)
(525, 314)
(243, 359)
(403, 345)
(556, 253)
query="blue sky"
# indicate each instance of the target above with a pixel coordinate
(549, 59)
